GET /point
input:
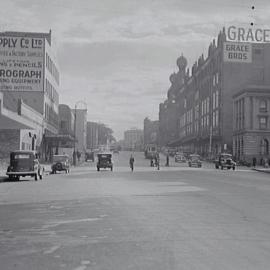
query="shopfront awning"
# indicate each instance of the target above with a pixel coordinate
(12, 120)
(55, 139)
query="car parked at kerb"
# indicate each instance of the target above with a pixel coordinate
(24, 163)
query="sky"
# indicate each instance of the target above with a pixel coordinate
(117, 55)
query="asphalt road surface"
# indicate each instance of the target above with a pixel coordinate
(174, 218)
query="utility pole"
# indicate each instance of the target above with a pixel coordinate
(74, 151)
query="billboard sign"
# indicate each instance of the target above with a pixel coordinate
(21, 63)
(242, 34)
(237, 52)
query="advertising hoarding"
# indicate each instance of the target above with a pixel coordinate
(237, 52)
(21, 63)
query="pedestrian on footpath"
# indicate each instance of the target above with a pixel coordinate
(131, 162)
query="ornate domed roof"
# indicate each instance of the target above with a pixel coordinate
(181, 62)
(173, 77)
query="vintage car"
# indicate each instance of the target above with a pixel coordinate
(90, 156)
(60, 163)
(104, 161)
(194, 161)
(24, 163)
(179, 157)
(224, 160)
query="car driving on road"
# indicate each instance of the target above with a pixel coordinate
(225, 160)
(60, 163)
(104, 161)
(194, 161)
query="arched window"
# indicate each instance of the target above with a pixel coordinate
(264, 147)
(263, 106)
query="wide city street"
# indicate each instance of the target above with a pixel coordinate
(173, 218)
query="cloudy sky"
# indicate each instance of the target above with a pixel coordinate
(117, 55)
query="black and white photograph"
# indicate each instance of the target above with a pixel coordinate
(134, 134)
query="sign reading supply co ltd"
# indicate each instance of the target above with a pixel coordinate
(21, 63)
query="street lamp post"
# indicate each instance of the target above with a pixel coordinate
(74, 152)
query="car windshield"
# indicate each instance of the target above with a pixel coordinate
(194, 157)
(59, 158)
(226, 156)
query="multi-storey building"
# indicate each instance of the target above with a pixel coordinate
(251, 123)
(150, 131)
(29, 73)
(133, 139)
(92, 135)
(199, 107)
(80, 129)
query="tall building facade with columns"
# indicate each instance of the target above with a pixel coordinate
(197, 115)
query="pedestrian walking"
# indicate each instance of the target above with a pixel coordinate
(157, 160)
(131, 162)
(254, 161)
(167, 160)
(151, 162)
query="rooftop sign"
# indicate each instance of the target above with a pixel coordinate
(241, 34)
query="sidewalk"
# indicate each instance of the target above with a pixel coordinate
(261, 169)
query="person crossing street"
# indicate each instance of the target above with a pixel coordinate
(131, 162)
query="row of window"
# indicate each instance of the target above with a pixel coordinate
(51, 92)
(50, 115)
(186, 126)
(52, 68)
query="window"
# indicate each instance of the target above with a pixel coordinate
(263, 122)
(263, 106)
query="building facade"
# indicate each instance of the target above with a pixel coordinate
(80, 129)
(150, 131)
(251, 135)
(29, 73)
(133, 139)
(199, 104)
(92, 135)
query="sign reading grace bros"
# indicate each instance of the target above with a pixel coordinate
(238, 47)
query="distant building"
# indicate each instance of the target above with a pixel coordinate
(80, 129)
(29, 74)
(197, 115)
(133, 139)
(92, 135)
(150, 131)
(251, 123)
